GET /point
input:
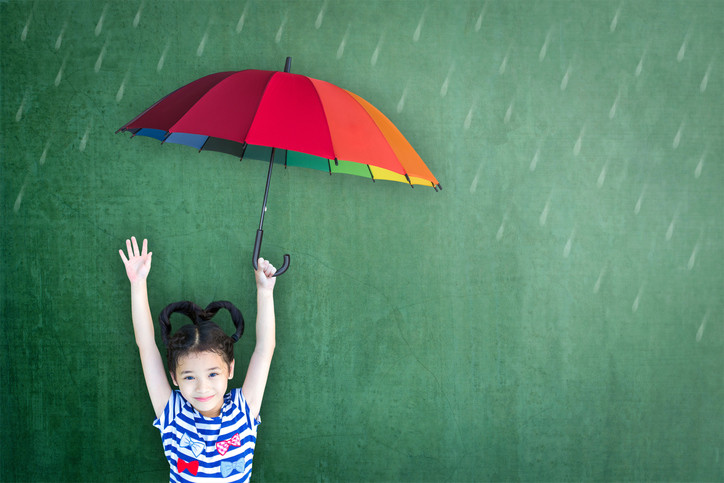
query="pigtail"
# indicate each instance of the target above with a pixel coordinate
(236, 316)
(189, 309)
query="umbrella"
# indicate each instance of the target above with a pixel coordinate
(317, 124)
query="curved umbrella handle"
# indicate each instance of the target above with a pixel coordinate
(257, 249)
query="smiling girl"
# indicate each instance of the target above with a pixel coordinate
(207, 433)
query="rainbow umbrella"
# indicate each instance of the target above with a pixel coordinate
(319, 125)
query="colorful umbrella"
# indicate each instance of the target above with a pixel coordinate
(318, 124)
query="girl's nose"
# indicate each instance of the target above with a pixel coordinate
(202, 384)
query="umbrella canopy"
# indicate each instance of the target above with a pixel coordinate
(321, 126)
(318, 124)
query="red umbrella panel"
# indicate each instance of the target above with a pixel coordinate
(320, 125)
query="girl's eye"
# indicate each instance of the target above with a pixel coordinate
(213, 374)
(189, 378)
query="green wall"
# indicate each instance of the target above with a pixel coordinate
(554, 314)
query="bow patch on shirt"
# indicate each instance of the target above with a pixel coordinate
(190, 466)
(197, 447)
(227, 467)
(223, 446)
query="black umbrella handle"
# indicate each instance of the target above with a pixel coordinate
(257, 249)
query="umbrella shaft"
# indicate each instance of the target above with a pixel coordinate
(266, 191)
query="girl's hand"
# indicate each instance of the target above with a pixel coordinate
(265, 278)
(138, 264)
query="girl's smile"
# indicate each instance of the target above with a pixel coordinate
(202, 378)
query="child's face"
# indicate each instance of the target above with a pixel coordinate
(202, 378)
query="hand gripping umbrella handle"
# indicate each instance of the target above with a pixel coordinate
(257, 249)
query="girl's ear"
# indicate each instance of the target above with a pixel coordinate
(173, 378)
(231, 369)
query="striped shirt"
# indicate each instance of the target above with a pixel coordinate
(202, 449)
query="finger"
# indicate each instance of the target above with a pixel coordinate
(145, 247)
(123, 257)
(129, 248)
(135, 246)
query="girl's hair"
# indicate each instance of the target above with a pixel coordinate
(201, 336)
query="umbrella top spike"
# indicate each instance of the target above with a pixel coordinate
(288, 65)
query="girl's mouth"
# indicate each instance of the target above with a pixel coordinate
(204, 399)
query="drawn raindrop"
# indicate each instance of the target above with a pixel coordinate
(702, 326)
(469, 117)
(508, 112)
(122, 88)
(544, 47)
(59, 40)
(566, 76)
(59, 76)
(99, 60)
(479, 21)
(692, 258)
(682, 50)
(280, 30)
(84, 139)
(474, 184)
(24, 34)
(99, 25)
(579, 142)
(418, 30)
(21, 109)
(612, 111)
(597, 285)
(705, 79)
(602, 176)
(534, 161)
(504, 63)
(202, 44)
(320, 15)
(700, 165)
(137, 18)
(614, 22)
(44, 155)
(343, 43)
(162, 59)
(637, 300)
(670, 230)
(677, 137)
(378, 48)
(640, 65)
(242, 19)
(446, 82)
(637, 208)
(569, 244)
(401, 102)
(543, 218)
(501, 230)
(19, 198)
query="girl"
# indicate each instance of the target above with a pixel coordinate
(206, 432)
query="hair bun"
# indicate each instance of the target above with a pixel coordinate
(236, 315)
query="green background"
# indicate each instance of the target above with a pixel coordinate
(555, 313)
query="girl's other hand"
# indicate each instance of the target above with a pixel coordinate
(265, 278)
(138, 263)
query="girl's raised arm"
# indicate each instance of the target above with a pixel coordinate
(258, 371)
(138, 264)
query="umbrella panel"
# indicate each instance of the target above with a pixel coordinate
(263, 153)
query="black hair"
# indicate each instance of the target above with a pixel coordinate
(202, 335)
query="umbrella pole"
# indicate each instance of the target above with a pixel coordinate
(260, 231)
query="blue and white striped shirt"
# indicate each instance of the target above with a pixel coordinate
(202, 449)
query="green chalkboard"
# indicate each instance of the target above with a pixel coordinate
(555, 313)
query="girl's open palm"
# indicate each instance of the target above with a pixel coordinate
(138, 263)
